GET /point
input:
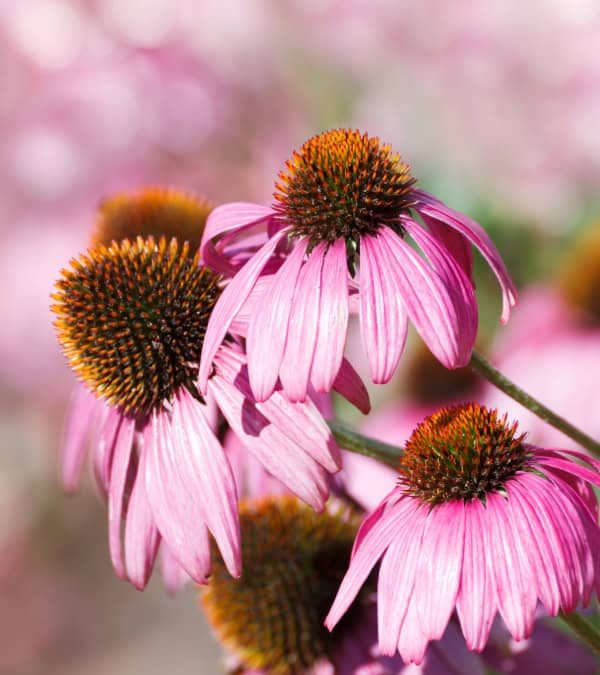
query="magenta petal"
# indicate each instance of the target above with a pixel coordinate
(228, 305)
(349, 384)
(172, 572)
(122, 446)
(303, 328)
(515, 580)
(383, 320)
(476, 602)
(82, 408)
(333, 321)
(436, 209)
(141, 534)
(268, 327)
(428, 302)
(454, 242)
(223, 219)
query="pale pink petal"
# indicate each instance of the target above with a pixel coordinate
(268, 327)
(172, 572)
(412, 640)
(383, 320)
(239, 325)
(82, 408)
(427, 301)
(121, 452)
(279, 454)
(333, 321)
(429, 206)
(228, 218)
(207, 478)
(141, 534)
(228, 305)
(178, 512)
(397, 576)
(439, 567)
(515, 584)
(476, 602)
(303, 328)
(103, 445)
(373, 544)
(349, 384)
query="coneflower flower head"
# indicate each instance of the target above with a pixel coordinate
(271, 618)
(336, 239)
(131, 319)
(152, 212)
(480, 522)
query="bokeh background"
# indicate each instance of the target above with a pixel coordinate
(495, 105)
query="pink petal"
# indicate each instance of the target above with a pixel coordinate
(373, 544)
(383, 320)
(268, 327)
(454, 242)
(428, 302)
(172, 572)
(412, 640)
(440, 567)
(121, 452)
(228, 305)
(82, 408)
(239, 325)
(333, 321)
(349, 384)
(224, 219)
(515, 580)
(141, 534)
(429, 206)
(572, 468)
(103, 444)
(303, 328)
(476, 602)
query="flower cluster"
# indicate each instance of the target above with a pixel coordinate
(207, 342)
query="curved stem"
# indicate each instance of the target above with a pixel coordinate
(480, 365)
(584, 629)
(363, 445)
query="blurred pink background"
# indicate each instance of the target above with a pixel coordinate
(495, 105)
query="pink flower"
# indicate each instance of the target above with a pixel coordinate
(336, 239)
(480, 522)
(131, 319)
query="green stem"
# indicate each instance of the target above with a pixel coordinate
(363, 445)
(480, 365)
(584, 629)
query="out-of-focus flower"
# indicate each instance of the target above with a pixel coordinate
(480, 522)
(344, 208)
(131, 320)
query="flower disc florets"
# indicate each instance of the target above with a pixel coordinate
(152, 212)
(342, 184)
(462, 452)
(132, 319)
(294, 559)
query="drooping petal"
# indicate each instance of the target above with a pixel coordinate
(429, 206)
(103, 445)
(453, 241)
(268, 326)
(223, 220)
(228, 305)
(383, 319)
(427, 301)
(303, 328)
(476, 602)
(173, 574)
(349, 384)
(82, 407)
(121, 452)
(333, 318)
(141, 533)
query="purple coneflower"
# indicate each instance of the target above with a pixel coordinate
(131, 321)
(337, 237)
(480, 522)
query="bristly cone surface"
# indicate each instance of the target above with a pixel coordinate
(132, 318)
(462, 452)
(342, 184)
(294, 560)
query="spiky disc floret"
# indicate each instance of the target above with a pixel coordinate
(132, 318)
(462, 452)
(294, 560)
(342, 184)
(579, 276)
(152, 212)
